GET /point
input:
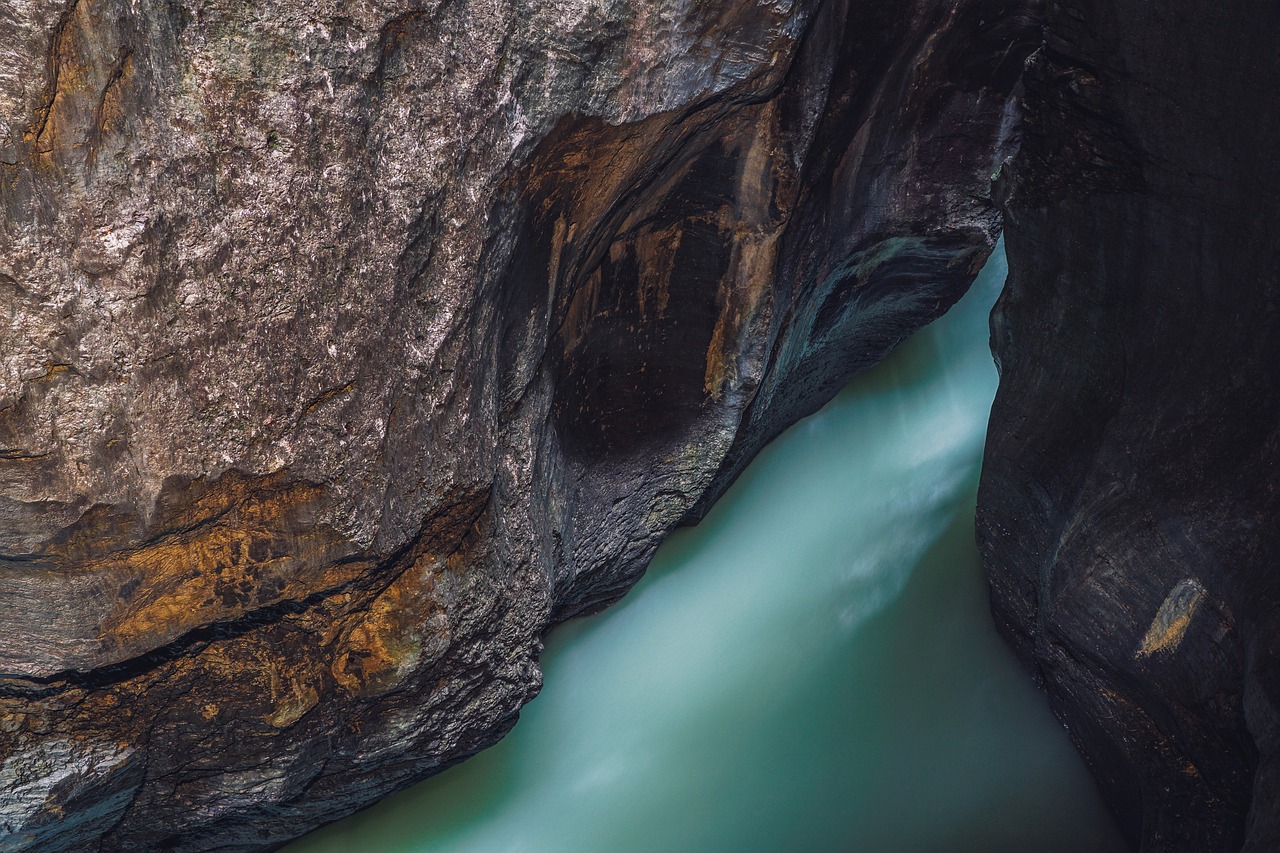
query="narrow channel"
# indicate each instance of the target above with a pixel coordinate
(813, 668)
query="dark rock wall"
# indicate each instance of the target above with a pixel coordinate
(1128, 507)
(348, 346)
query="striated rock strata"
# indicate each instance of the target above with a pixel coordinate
(1128, 512)
(348, 346)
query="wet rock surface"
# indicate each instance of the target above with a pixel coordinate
(347, 347)
(1128, 510)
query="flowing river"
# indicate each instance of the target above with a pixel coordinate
(813, 668)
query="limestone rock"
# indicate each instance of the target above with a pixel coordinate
(350, 345)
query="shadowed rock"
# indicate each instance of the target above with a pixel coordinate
(1128, 510)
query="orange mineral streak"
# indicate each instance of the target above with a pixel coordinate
(763, 187)
(241, 545)
(407, 627)
(622, 179)
(90, 70)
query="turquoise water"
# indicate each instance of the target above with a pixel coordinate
(813, 668)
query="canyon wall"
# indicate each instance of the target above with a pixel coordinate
(1128, 511)
(349, 346)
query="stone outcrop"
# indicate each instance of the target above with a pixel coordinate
(349, 346)
(1128, 512)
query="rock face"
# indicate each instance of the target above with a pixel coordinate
(1128, 512)
(349, 346)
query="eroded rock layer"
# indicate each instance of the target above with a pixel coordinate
(1128, 513)
(348, 346)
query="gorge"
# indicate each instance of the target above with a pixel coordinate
(813, 667)
(350, 346)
